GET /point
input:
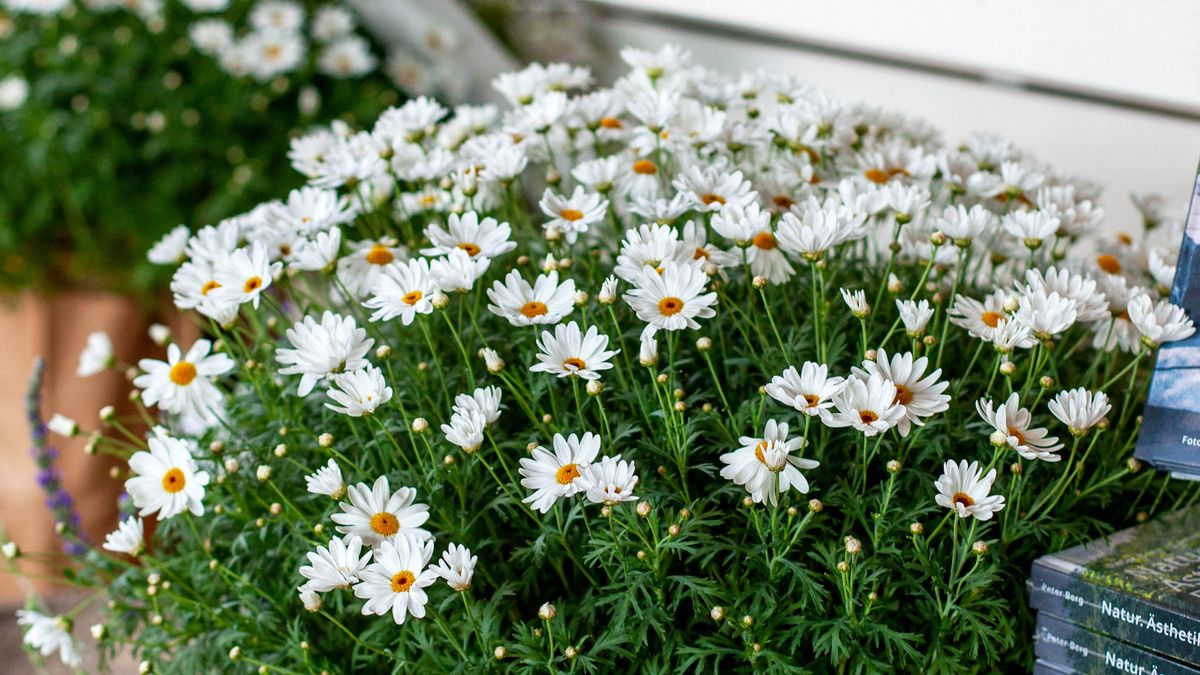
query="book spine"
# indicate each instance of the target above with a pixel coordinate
(1144, 623)
(1076, 649)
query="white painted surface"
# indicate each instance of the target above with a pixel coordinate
(1125, 150)
(1143, 49)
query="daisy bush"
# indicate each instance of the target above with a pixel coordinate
(691, 373)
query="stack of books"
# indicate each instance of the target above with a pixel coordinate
(1128, 603)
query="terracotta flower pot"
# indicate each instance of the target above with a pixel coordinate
(55, 328)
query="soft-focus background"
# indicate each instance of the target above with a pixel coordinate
(1105, 89)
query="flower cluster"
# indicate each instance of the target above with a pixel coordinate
(695, 345)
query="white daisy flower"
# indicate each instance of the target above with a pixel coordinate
(336, 566)
(347, 57)
(810, 391)
(572, 216)
(1080, 409)
(695, 241)
(466, 429)
(598, 175)
(1014, 423)
(457, 567)
(1090, 303)
(172, 248)
(376, 514)
(488, 237)
(484, 400)
(867, 405)
(458, 271)
(711, 187)
(395, 583)
(1046, 314)
(979, 319)
(1159, 323)
(361, 269)
(49, 634)
(544, 302)
(814, 232)
(245, 275)
(1010, 335)
(648, 349)
(672, 300)
(766, 466)
(129, 537)
(319, 350)
(318, 254)
(610, 481)
(856, 300)
(962, 226)
(557, 475)
(742, 223)
(1031, 227)
(915, 316)
(358, 393)
(184, 382)
(964, 489)
(568, 352)
(402, 290)
(648, 247)
(918, 395)
(608, 291)
(97, 355)
(166, 481)
(327, 481)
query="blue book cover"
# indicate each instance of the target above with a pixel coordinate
(1170, 434)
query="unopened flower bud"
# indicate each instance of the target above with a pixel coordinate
(275, 508)
(492, 359)
(937, 238)
(325, 440)
(998, 438)
(680, 406)
(704, 344)
(216, 447)
(93, 443)
(570, 653)
(594, 387)
(929, 340)
(979, 548)
(843, 566)
(108, 414)
(1133, 465)
(641, 555)
(500, 653)
(1008, 368)
(661, 378)
(916, 528)
(311, 600)
(547, 612)
(382, 352)
(547, 418)
(99, 631)
(793, 512)
(759, 281)
(747, 621)
(280, 450)
(420, 425)
(870, 355)
(1046, 381)
(1016, 469)
(684, 514)
(263, 473)
(893, 466)
(10, 550)
(853, 546)
(815, 505)
(232, 465)
(439, 300)
(707, 407)
(894, 285)
(643, 508)
(673, 530)
(717, 613)
(581, 298)
(747, 502)
(235, 653)
(159, 334)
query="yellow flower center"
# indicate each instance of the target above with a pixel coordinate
(1109, 263)
(964, 499)
(567, 474)
(534, 308)
(759, 450)
(577, 363)
(402, 581)
(471, 249)
(252, 284)
(411, 298)
(670, 306)
(710, 198)
(700, 254)
(991, 319)
(877, 176)
(904, 395)
(645, 167)
(380, 255)
(182, 373)
(208, 286)
(173, 480)
(385, 523)
(571, 214)
(867, 416)
(764, 240)
(783, 202)
(1016, 433)
(811, 400)
(610, 122)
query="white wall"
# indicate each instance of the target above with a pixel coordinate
(1124, 148)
